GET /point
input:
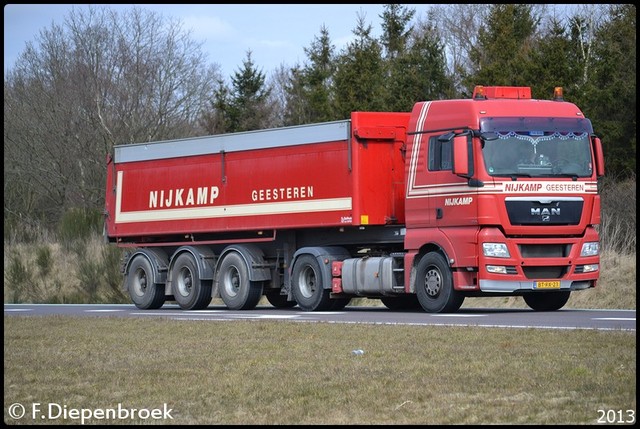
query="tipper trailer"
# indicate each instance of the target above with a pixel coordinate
(490, 196)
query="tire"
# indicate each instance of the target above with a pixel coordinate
(189, 290)
(279, 301)
(400, 303)
(546, 301)
(434, 285)
(236, 290)
(307, 285)
(145, 294)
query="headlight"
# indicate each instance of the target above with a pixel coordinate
(590, 249)
(496, 250)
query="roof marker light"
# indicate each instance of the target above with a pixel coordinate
(557, 94)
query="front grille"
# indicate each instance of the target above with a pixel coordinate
(560, 211)
(545, 250)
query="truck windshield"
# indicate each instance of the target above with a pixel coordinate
(537, 148)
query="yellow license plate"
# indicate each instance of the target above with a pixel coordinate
(548, 285)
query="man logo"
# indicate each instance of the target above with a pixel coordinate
(545, 213)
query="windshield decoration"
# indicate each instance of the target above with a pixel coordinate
(538, 153)
(536, 137)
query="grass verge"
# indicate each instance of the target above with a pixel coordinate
(274, 372)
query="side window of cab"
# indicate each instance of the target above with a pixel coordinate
(440, 154)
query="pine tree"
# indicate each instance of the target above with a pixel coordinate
(248, 108)
(359, 80)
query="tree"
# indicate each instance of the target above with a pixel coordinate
(318, 78)
(458, 29)
(395, 29)
(309, 88)
(100, 79)
(217, 118)
(611, 96)
(248, 106)
(359, 79)
(419, 72)
(501, 56)
(553, 63)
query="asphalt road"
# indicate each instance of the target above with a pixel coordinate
(506, 318)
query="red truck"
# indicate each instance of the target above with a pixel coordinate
(490, 196)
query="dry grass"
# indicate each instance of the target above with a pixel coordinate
(64, 284)
(270, 372)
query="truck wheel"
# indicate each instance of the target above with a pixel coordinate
(236, 290)
(143, 292)
(306, 285)
(434, 285)
(279, 301)
(546, 301)
(399, 303)
(189, 291)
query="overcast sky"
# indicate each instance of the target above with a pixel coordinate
(276, 34)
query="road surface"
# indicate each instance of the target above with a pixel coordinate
(483, 317)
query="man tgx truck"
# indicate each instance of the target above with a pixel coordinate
(490, 196)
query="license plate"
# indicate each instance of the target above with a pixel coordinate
(548, 285)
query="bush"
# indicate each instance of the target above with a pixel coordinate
(618, 212)
(79, 224)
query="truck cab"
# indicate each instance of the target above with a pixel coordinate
(504, 187)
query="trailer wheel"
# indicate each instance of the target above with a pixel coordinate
(403, 302)
(434, 285)
(306, 285)
(236, 290)
(546, 301)
(144, 293)
(279, 301)
(189, 290)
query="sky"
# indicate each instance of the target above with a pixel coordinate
(276, 34)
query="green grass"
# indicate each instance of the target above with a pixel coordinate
(275, 372)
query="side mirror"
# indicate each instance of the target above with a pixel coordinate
(599, 155)
(461, 156)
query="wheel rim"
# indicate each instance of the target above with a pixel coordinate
(307, 282)
(231, 281)
(140, 282)
(433, 282)
(184, 281)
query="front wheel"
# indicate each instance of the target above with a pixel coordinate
(434, 285)
(546, 301)
(144, 293)
(307, 285)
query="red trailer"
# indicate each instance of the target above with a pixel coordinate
(417, 209)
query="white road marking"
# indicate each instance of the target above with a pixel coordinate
(614, 318)
(458, 315)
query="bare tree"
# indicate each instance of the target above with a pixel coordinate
(101, 78)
